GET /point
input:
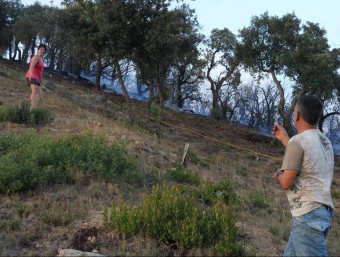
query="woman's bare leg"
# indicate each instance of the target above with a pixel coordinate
(35, 96)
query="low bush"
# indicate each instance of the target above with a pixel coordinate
(182, 175)
(22, 114)
(211, 193)
(258, 199)
(28, 161)
(173, 216)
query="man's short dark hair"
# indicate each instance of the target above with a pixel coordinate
(311, 108)
(42, 46)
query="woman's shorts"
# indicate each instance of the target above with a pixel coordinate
(32, 81)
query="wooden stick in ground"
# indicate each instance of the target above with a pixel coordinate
(184, 157)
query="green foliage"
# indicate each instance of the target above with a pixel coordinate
(21, 209)
(210, 194)
(10, 225)
(220, 52)
(22, 114)
(28, 161)
(282, 46)
(181, 175)
(124, 218)
(173, 216)
(258, 199)
(154, 109)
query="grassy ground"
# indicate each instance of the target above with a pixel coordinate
(42, 221)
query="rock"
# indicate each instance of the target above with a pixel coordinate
(97, 123)
(219, 193)
(147, 148)
(5, 213)
(71, 253)
(53, 130)
(163, 154)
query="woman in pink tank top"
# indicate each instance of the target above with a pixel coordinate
(34, 76)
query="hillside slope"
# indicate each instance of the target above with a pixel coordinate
(217, 150)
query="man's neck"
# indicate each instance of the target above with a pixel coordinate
(305, 127)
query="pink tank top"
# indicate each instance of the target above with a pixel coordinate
(37, 70)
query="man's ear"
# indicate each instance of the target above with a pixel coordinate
(297, 115)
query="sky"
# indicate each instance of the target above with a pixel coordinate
(237, 14)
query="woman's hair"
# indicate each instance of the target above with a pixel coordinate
(42, 45)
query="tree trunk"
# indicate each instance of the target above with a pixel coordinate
(52, 58)
(179, 82)
(215, 106)
(98, 71)
(151, 97)
(139, 87)
(10, 51)
(125, 92)
(161, 104)
(161, 97)
(179, 96)
(323, 117)
(286, 114)
(78, 70)
(215, 88)
(16, 50)
(60, 61)
(25, 54)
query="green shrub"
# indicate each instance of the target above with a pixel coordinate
(21, 209)
(154, 109)
(10, 225)
(173, 216)
(124, 218)
(210, 193)
(258, 199)
(29, 161)
(39, 116)
(22, 114)
(181, 175)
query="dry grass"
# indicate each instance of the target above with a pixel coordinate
(43, 221)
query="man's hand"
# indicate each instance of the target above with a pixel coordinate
(281, 134)
(285, 178)
(277, 175)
